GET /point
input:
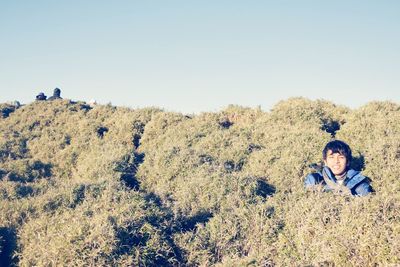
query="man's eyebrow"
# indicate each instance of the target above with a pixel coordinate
(332, 153)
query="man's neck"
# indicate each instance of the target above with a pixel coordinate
(341, 176)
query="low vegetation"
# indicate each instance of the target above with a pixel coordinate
(111, 186)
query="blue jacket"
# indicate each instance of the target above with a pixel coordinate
(358, 184)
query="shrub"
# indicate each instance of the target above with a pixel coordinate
(115, 186)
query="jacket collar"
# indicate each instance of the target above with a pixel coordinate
(353, 178)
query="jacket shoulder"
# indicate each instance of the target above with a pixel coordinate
(313, 179)
(358, 183)
(354, 178)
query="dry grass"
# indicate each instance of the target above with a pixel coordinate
(114, 186)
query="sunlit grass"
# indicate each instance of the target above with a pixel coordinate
(115, 186)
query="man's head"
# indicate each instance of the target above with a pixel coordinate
(57, 92)
(41, 96)
(337, 156)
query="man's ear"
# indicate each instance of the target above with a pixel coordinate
(325, 162)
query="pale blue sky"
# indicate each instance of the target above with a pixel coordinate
(192, 56)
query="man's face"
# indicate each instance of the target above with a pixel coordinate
(336, 162)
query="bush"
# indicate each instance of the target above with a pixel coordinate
(109, 227)
(115, 186)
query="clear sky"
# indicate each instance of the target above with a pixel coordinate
(192, 56)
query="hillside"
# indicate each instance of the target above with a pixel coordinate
(111, 186)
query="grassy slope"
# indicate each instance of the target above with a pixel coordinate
(114, 186)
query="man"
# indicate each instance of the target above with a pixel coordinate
(56, 94)
(41, 97)
(336, 174)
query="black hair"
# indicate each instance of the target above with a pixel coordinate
(340, 147)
